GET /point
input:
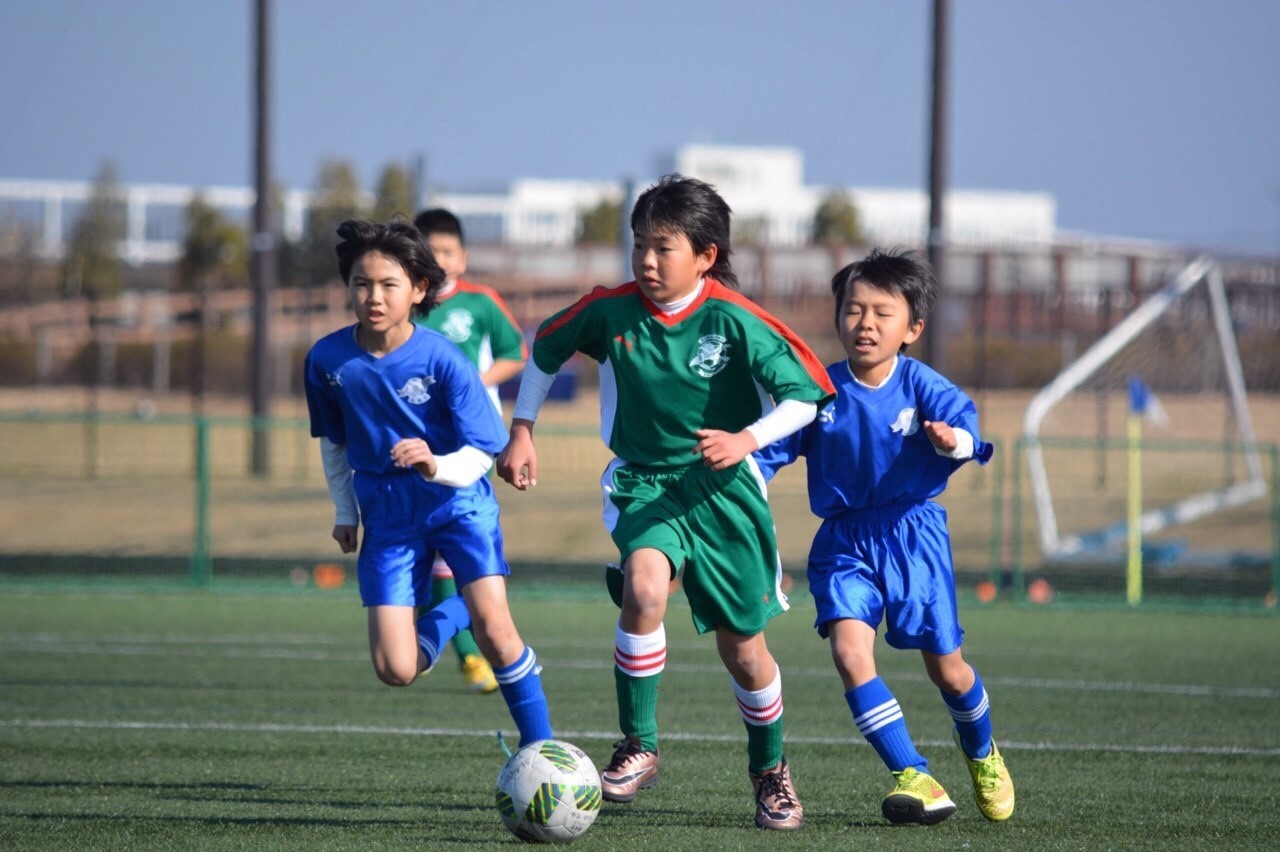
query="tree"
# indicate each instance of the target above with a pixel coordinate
(93, 267)
(214, 250)
(394, 195)
(836, 221)
(750, 230)
(336, 199)
(214, 253)
(601, 224)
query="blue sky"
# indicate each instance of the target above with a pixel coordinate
(1154, 119)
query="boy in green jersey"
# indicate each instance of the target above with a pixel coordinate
(477, 321)
(693, 378)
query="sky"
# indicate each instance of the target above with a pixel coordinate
(1149, 119)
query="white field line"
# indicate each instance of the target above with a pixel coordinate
(260, 647)
(575, 735)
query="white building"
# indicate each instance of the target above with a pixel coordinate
(768, 184)
(764, 185)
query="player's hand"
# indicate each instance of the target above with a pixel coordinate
(940, 435)
(518, 462)
(345, 536)
(724, 449)
(414, 452)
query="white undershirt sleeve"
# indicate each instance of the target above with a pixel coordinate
(790, 415)
(964, 446)
(534, 387)
(463, 468)
(337, 472)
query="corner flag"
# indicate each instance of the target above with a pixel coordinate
(1143, 402)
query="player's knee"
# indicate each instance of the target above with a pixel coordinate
(500, 643)
(855, 663)
(395, 673)
(394, 678)
(950, 673)
(645, 593)
(746, 658)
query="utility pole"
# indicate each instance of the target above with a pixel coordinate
(625, 238)
(263, 264)
(935, 338)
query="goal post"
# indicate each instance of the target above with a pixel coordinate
(1142, 341)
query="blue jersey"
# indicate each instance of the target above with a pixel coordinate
(866, 449)
(424, 389)
(883, 552)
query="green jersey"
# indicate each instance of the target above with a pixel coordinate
(720, 363)
(477, 320)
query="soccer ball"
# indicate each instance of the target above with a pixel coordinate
(548, 792)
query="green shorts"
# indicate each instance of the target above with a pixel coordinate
(714, 526)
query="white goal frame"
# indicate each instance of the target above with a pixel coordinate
(1052, 544)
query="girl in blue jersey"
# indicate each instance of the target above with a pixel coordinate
(407, 434)
(876, 457)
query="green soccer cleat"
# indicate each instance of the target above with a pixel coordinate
(992, 786)
(917, 799)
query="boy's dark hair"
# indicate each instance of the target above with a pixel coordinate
(894, 271)
(398, 240)
(688, 206)
(437, 220)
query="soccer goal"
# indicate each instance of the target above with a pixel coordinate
(1106, 474)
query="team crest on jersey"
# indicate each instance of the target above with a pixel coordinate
(457, 325)
(712, 355)
(415, 390)
(906, 422)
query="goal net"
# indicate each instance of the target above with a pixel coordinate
(1191, 455)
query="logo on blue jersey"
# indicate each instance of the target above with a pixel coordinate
(906, 422)
(712, 355)
(334, 379)
(457, 325)
(415, 390)
(828, 414)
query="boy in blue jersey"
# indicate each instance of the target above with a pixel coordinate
(876, 457)
(407, 434)
(477, 321)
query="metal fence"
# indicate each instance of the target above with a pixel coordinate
(176, 497)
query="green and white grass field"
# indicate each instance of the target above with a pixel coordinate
(247, 716)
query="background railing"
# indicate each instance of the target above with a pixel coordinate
(174, 497)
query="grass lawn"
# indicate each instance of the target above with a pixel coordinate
(247, 716)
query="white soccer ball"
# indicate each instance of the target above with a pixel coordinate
(548, 792)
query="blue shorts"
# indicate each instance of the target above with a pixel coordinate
(408, 521)
(892, 565)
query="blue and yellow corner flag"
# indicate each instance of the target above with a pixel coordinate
(1145, 403)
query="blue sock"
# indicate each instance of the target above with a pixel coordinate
(440, 624)
(972, 715)
(879, 719)
(521, 685)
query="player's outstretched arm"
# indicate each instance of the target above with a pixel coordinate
(518, 463)
(720, 449)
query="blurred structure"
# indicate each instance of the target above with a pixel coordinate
(765, 186)
(1024, 298)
